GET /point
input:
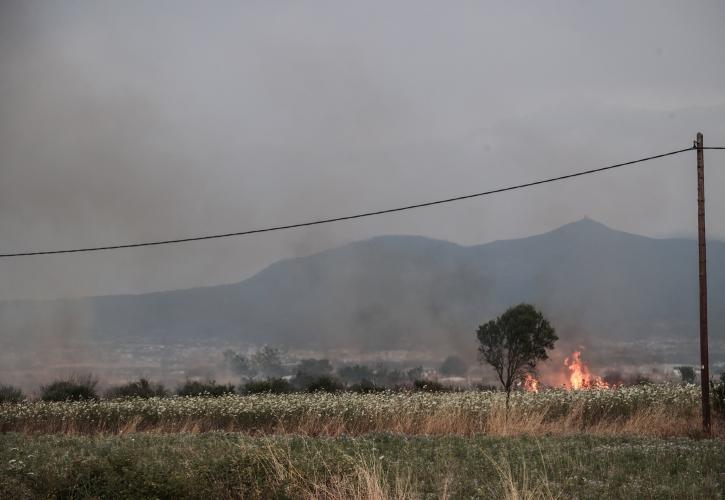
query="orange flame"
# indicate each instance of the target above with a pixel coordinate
(531, 384)
(580, 377)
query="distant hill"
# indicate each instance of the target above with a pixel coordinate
(413, 292)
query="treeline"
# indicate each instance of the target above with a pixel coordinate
(263, 372)
(85, 388)
(267, 362)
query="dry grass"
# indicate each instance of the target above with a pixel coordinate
(524, 484)
(668, 414)
(363, 479)
(646, 422)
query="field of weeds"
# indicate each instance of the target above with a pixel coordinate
(637, 442)
(375, 466)
(648, 410)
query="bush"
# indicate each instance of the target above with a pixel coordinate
(717, 390)
(76, 388)
(687, 374)
(429, 386)
(325, 383)
(637, 379)
(271, 386)
(366, 387)
(207, 388)
(141, 388)
(10, 394)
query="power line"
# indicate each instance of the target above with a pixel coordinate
(350, 217)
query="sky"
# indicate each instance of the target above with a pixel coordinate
(130, 121)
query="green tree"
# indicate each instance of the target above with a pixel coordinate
(687, 374)
(514, 343)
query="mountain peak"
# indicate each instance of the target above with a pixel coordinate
(586, 227)
(586, 223)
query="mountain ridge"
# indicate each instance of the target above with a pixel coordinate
(400, 291)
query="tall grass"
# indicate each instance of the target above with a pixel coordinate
(232, 465)
(650, 411)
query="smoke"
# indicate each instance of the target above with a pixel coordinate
(142, 121)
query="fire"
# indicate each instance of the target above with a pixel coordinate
(531, 384)
(580, 377)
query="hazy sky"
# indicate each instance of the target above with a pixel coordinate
(129, 121)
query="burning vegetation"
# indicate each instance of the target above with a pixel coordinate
(576, 375)
(580, 377)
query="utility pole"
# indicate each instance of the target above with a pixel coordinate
(704, 357)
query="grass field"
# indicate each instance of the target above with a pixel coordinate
(650, 410)
(224, 465)
(638, 442)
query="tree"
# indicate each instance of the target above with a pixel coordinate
(268, 362)
(453, 366)
(310, 371)
(687, 374)
(514, 343)
(237, 363)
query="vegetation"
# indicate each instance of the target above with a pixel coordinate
(267, 362)
(227, 465)
(514, 343)
(10, 394)
(141, 388)
(650, 410)
(75, 388)
(270, 385)
(207, 388)
(324, 383)
(316, 375)
(717, 390)
(237, 364)
(429, 386)
(687, 374)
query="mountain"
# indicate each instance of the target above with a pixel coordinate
(404, 292)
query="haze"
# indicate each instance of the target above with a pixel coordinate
(131, 121)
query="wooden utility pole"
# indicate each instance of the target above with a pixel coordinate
(704, 357)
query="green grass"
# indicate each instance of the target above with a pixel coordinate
(223, 465)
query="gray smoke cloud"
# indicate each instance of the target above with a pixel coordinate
(132, 121)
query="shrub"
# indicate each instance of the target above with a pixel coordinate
(429, 386)
(10, 394)
(687, 374)
(637, 379)
(325, 383)
(207, 388)
(141, 388)
(271, 386)
(75, 388)
(366, 387)
(717, 390)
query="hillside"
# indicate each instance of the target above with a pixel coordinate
(406, 292)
